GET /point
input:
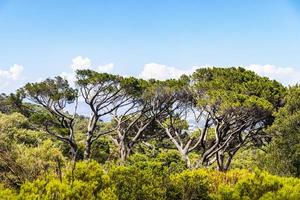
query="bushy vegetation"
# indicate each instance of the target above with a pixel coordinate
(151, 180)
(217, 134)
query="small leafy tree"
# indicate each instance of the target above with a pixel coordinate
(54, 95)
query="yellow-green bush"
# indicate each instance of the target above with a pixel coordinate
(132, 183)
(260, 185)
(6, 193)
(86, 179)
(150, 180)
(286, 192)
(189, 185)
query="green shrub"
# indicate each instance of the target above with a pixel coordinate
(189, 185)
(171, 160)
(226, 192)
(255, 186)
(260, 185)
(133, 183)
(142, 178)
(287, 192)
(86, 180)
(108, 194)
(7, 194)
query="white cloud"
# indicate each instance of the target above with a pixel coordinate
(106, 68)
(163, 72)
(13, 73)
(9, 78)
(16, 71)
(80, 63)
(70, 77)
(285, 75)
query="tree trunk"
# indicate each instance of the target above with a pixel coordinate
(89, 136)
(73, 150)
(88, 146)
(186, 159)
(124, 150)
(220, 161)
(223, 163)
(122, 153)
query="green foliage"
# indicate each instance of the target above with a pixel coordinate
(288, 191)
(101, 150)
(248, 158)
(20, 163)
(256, 185)
(13, 103)
(189, 185)
(16, 128)
(241, 105)
(108, 194)
(87, 179)
(134, 183)
(87, 77)
(11, 121)
(24, 153)
(238, 87)
(177, 123)
(148, 179)
(6, 193)
(171, 160)
(50, 90)
(283, 155)
(260, 185)
(87, 172)
(132, 86)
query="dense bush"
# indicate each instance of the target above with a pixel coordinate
(85, 179)
(260, 185)
(148, 180)
(131, 183)
(189, 185)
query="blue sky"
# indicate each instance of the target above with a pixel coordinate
(146, 38)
